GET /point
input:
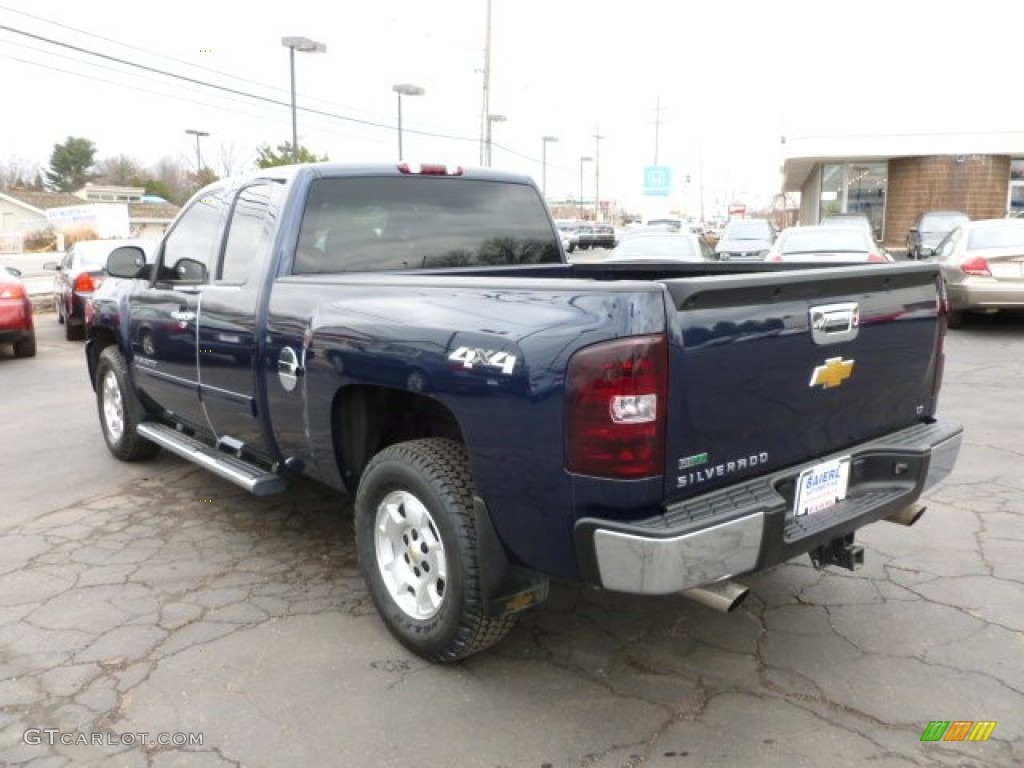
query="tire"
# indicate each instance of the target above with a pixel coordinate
(418, 496)
(26, 347)
(955, 319)
(119, 409)
(60, 311)
(73, 332)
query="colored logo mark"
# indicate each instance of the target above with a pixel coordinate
(958, 730)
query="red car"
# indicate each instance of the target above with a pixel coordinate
(16, 326)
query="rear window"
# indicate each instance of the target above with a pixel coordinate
(941, 222)
(639, 247)
(395, 223)
(748, 229)
(835, 240)
(1009, 235)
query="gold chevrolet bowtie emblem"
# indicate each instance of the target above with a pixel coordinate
(833, 373)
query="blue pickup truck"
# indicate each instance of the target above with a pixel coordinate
(414, 337)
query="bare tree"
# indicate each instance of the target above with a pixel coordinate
(19, 172)
(170, 179)
(231, 160)
(121, 171)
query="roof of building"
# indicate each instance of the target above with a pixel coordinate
(802, 153)
(40, 199)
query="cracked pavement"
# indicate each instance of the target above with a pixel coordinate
(165, 600)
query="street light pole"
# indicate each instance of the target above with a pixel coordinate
(491, 119)
(583, 159)
(597, 175)
(198, 135)
(404, 89)
(305, 45)
(545, 140)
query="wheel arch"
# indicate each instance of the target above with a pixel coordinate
(367, 419)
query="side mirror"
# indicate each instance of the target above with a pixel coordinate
(13, 271)
(128, 261)
(51, 265)
(190, 270)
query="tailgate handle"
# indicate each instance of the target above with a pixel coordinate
(833, 323)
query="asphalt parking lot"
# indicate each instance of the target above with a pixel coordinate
(153, 615)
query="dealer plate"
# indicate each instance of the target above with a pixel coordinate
(822, 486)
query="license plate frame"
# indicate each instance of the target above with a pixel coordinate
(822, 486)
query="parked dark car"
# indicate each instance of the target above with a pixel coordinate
(603, 236)
(983, 265)
(930, 229)
(16, 327)
(79, 274)
(746, 240)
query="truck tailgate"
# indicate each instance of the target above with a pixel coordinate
(771, 370)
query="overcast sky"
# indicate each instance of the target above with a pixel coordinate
(731, 78)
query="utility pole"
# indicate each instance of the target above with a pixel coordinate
(597, 174)
(657, 127)
(485, 111)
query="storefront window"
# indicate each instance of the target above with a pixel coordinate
(1015, 204)
(831, 190)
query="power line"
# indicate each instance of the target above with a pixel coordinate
(227, 89)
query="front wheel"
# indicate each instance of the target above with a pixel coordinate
(119, 409)
(417, 540)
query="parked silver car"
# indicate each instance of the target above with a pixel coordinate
(983, 266)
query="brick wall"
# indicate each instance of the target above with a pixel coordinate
(974, 184)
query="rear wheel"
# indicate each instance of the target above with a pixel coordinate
(119, 409)
(417, 541)
(26, 347)
(59, 310)
(73, 332)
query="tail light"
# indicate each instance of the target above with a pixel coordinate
(12, 291)
(86, 283)
(775, 257)
(976, 266)
(616, 395)
(877, 258)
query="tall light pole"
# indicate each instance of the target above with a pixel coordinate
(597, 175)
(305, 45)
(485, 110)
(491, 120)
(404, 89)
(583, 159)
(198, 135)
(544, 141)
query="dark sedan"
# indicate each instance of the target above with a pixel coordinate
(925, 236)
(79, 273)
(16, 327)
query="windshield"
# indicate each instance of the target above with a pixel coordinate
(748, 229)
(402, 222)
(1008, 235)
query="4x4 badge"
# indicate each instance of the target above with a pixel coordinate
(833, 373)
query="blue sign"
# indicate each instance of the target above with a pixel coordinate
(657, 180)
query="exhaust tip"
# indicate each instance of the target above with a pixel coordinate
(909, 515)
(722, 596)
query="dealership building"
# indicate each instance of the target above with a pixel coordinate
(893, 179)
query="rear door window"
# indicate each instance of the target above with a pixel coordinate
(400, 223)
